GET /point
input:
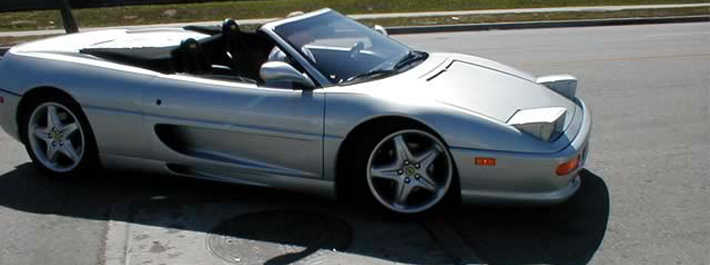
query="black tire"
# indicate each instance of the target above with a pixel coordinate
(88, 161)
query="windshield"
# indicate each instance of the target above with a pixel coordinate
(346, 51)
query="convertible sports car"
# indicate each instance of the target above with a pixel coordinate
(316, 103)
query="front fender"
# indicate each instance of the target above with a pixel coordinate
(459, 127)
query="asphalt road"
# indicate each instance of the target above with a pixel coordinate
(645, 197)
(649, 91)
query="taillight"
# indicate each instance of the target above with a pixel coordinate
(567, 167)
(2, 100)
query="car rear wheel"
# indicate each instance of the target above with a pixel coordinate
(58, 138)
(409, 171)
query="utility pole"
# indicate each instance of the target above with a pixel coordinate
(67, 18)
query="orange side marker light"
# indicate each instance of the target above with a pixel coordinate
(567, 167)
(485, 161)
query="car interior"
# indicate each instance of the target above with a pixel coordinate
(227, 54)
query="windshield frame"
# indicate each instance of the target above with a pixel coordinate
(270, 30)
(300, 58)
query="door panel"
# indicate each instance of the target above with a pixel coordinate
(258, 132)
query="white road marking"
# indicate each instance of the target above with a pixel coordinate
(679, 34)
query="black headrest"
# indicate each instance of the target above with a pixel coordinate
(229, 25)
(191, 58)
(231, 34)
(3, 50)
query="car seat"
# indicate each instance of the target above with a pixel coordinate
(191, 58)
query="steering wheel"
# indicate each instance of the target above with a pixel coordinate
(352, 54)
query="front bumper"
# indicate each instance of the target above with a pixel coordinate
(8, 113)
(522, 177)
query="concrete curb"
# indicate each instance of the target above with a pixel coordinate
(117, 242)
(545, 24)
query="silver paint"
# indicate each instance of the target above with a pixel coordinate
(566, 85)
(239, 132)
(284, 72)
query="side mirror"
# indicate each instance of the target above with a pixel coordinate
(283, 72)
(381, 30)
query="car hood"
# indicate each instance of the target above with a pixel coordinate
(490, 88)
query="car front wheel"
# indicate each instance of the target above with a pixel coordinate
(409, 171)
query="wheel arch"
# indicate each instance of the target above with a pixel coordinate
(26, 102)
(38, 95)
(347, 147)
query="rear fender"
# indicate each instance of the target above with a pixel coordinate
(8, 112)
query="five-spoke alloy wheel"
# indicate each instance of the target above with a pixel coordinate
(58, 138)
(55, 137)
(409, 171)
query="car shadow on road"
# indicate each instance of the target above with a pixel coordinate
(569, 233)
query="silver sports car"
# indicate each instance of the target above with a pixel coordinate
(315, 103)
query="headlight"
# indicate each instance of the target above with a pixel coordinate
(542, 123)
(566, 85)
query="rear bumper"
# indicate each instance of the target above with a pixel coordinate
(522, 177)
(8, 113)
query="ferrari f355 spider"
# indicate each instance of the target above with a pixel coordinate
(315, 103)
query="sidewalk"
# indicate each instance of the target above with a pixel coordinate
(385, 15)
(254, 231)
